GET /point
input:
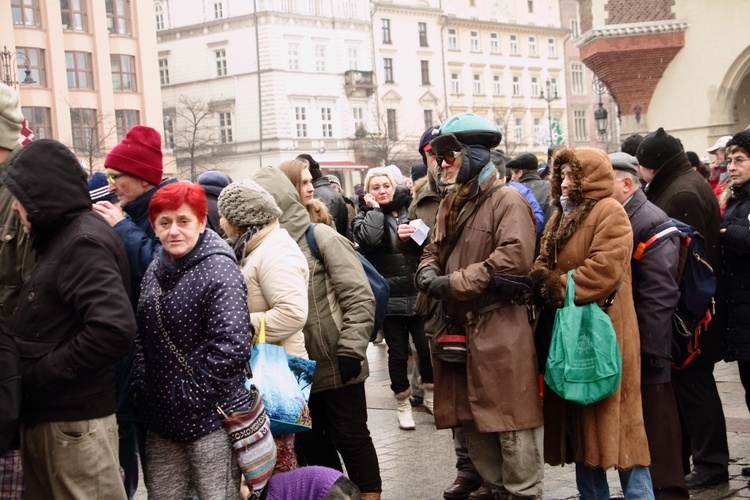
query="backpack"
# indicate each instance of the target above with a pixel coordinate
(10, 388)
(378, 284)
(697, 284)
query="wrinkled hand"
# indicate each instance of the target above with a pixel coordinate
(405, 231)
(349, 368)
(440, 288)
(425, 277)
(111, 213)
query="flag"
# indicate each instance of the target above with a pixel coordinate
(27, 135)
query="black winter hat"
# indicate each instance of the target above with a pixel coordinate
(741, 140)
(526, 161)
(427, 136)
(418, 171)
(657, 148)
(314, 166)
(445, 143)
(630, 145)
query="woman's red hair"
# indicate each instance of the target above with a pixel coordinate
(174, 195)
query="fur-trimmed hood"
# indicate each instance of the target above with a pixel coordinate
(593, 176)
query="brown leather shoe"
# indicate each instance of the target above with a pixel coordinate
(483, 493)
(461, 489)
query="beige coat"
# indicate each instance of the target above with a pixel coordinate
(276, 275)
(596, 240)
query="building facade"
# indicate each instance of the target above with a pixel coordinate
(85, 70)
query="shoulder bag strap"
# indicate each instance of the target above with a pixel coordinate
(172, 347)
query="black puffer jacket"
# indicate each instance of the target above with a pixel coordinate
(73, 319)
(375, 232)
(735, 245)
(335, 204)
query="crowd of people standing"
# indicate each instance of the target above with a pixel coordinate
(135, 301)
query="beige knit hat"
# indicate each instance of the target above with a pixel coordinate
(245, 203)
(10, 118)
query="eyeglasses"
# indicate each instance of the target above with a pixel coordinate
(113, 177)
(737, 160)
(448, 157)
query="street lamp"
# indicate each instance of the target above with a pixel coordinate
(549, 98)
(7, 60)
(600, 114)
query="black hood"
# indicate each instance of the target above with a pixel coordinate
(48, 181)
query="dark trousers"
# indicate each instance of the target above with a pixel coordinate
(702, 417)
(396, 330)
(662, 421)
(744, 367)
(132, 443)
(340, 426)
(464, 465)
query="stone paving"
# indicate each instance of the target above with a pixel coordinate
(420, 464)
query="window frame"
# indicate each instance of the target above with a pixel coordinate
(455, 83)
(497, 85)
(475, 43)
(164, 71)
(495, 43)
(388, 70)
(552, 48)
(477, 87)
(125, 119)
(518, 130)
(168, 121)
(424, 67)
(224, 124)
(326, 121)
(428, 119)
(76, 70)
(220, 61)
(577, 85)
(391, 124)
(121, 70)
(300, 121)
(72, 13)
(533, 49)
(20, 9)
(386, 29)
(117, 20)
(580, 125)
(422, 29)
(42, 128)
(82, 126)
(517, 91)
(452, 39)
(513, 41)
(320, 58)
(535, 86)
(38, 71)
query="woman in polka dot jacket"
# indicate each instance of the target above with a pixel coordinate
(195, 289)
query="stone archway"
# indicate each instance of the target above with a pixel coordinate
(731, 102)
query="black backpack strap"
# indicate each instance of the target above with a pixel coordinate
(311, 243)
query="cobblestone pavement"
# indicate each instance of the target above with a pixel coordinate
(420, 464)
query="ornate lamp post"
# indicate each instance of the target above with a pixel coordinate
(8, 62)
(549, 98)
(600, 114)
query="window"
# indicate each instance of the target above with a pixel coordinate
(125, 119)
(83, 124)
(553, 83)
(530, 4)
(159, 12)
(579, 119)
(80, 74)
(455, 84)
(576, 78)
(500, 124)
(423, 34)
(474, 41)
(39, 121)
(326, 120)
(388, 66)
(225, 127)
(386, 30)
(452, 39)
(25, 12)
(300, 120)
(391, 121)
(425, 66)
(33, 60)
(123, 73)
(221, 62)
(497, 85)
(118, 17)
(349, 9)
(532, 46)
(320, 58)
(514, 45)
(516, 86)
(359, 117)
(74, 15)
(494, 43)
(428, 118)
(552, 48)
(218, 11)
(293, 51)
(540, 132)
(574, 28)
(535, 86)
(519, 130)
(164, 71)
(168, 132)
(477, 84)
(353, 58)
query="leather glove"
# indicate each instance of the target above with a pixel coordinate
(440, 288)
(349, 368)
(425, 276)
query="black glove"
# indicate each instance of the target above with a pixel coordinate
(349, 368)
(440, 288)
(425, 276)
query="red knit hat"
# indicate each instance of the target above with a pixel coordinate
(138, 154)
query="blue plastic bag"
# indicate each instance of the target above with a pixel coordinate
(284, 384)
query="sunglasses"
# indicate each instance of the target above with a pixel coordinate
(113, 177)
(448, 157)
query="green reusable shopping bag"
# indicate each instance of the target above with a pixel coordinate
(584, 364)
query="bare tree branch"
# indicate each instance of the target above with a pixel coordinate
(194, 135)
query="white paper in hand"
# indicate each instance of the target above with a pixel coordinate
(421, 232)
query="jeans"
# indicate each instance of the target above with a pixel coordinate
(397, 330)
(592, 483)
(464, 465)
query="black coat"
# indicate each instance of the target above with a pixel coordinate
(73, 319)
(686, 196)
(374, 231)
(735, 244)
(335, 204)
